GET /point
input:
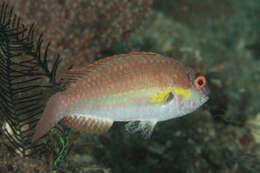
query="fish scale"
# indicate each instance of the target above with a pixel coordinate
(127, 87)
(117, 79)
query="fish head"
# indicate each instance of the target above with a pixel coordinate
(199, 91)
(184, 93)
(194, 95)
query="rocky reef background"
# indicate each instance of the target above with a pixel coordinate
(219, 38)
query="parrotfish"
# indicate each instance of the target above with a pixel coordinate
(141, 88)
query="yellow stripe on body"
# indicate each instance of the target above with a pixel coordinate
(149, 95)
(162, 96)
(155, 95)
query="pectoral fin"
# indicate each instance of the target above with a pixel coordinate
(145, 128)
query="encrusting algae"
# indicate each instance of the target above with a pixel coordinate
(141, 87)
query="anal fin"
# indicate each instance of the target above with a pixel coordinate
(88, 123)
(145, 128)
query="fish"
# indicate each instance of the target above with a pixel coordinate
(141, 88)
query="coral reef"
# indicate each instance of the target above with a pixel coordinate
(80, 29)
(25, 79)
(219, 38)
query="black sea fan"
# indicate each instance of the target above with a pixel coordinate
(27, 79)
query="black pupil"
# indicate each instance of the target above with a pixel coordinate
(200, 82)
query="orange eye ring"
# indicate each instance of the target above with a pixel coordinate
(200, 82)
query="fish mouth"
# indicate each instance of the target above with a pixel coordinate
(205, 91)
(204, 99)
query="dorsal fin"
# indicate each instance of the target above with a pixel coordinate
(78, 73)
(86, 69)
(104, 60)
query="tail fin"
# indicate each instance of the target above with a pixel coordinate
(52, 114)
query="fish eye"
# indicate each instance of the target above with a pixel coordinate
(200, 82)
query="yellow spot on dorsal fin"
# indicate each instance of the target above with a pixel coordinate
(162, 96)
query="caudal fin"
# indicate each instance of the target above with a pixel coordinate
(52, 114)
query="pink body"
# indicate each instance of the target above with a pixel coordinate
(120, 88)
